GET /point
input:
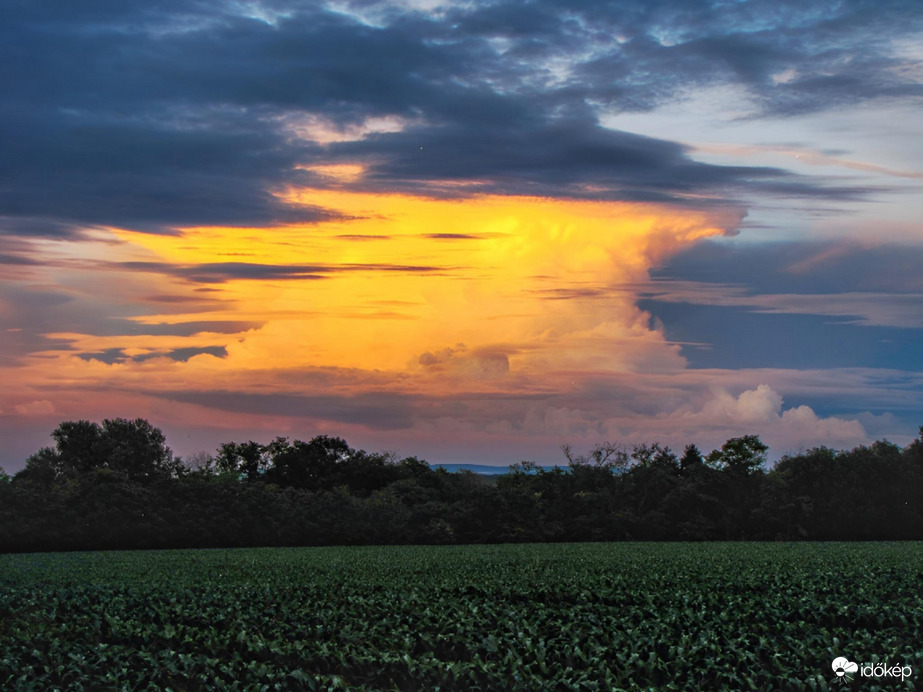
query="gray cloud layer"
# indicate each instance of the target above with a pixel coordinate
(153, 115)
(804, 304)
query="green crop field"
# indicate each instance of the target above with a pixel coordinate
(631, 616)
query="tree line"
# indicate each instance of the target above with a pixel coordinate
(117, 485)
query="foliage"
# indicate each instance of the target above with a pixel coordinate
(606, 455)
(133, 448)
(627, 616)
(692, 458)
(743, 455)
(116, 485)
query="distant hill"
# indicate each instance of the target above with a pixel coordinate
(483, 469)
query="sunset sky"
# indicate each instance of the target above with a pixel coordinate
(467, 231)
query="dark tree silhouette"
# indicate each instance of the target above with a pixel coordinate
(134, 448)
(691, 460)
(117, 485)
(740, 455)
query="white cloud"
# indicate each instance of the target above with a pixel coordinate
(758, 405)
(782, 429)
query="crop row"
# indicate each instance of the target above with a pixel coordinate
(516, 617)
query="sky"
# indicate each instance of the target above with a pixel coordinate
(467, 231)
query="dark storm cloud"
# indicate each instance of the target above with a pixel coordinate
(133, 328)
(56, 311)
(837, 51)
(363, 238)
(37, 226)
(18, 343)
(722, 337)
(181, 355)
(17, 259)
(789, 69)
(152, 118)
(31, 314)
(793, 305)
(570, 156)
(157, 115)
(108, 356)
(190, 303)
(184, 354)
(801, 267)
(574, 293)
(220, 272)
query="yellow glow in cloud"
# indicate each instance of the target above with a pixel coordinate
(477, 319)
(497, 285)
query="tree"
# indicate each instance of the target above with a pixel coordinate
(914, 451)
(246, 458)
(605, 455)
(691, 459)
(819, 492)
(738, 487)
(43, 467)
(740, 455)
(655, 456)
(649, 483)
(134, 448)
(78, 445)
(201, 463)
(413, 467)
(307, 464)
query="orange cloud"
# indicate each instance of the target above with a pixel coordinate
(420, 300)
(543, 279)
